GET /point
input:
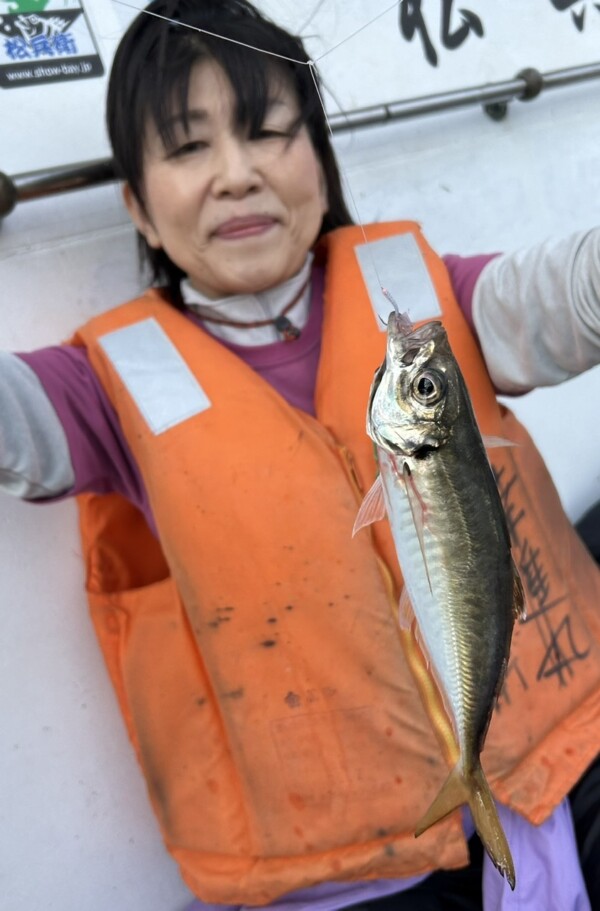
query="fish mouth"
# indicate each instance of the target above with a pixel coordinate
(424, 451)
(420, 451)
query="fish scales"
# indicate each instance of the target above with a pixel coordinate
(469, 638)
(453, 547)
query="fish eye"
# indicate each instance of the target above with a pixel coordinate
(428, 387)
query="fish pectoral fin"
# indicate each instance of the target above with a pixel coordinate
(372, 507)
(519, 603)
(491, 442)
(473, 790)
(419, 514)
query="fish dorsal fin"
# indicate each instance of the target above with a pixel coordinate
(419, 514)
(491, 442)
(372, 507)
(519, 603)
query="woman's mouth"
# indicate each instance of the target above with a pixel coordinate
(245, 226)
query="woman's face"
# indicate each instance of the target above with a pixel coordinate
(238, 215)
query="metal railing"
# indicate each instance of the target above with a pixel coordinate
(494, 98)
(34, 184)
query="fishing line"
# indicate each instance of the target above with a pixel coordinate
(205, 31)
(311, 16)
(348, 37)
(387, 294)
(311, 64)
(361, 225)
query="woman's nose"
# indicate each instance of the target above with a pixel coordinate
(237, 173)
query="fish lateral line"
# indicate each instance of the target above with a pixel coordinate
(472, 789)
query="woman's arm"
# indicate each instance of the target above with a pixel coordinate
(537, 312)
(34, 453)
(59, 434)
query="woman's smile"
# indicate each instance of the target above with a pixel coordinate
(239, 228)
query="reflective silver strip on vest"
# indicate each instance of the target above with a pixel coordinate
(397, 263)
(154, 373)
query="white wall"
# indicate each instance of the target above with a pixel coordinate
(76, 831)
(75, 828)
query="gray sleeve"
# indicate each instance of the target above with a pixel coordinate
(34, 453)
(537, 312)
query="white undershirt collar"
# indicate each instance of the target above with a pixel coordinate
(252, 308)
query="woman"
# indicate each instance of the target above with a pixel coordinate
(215, 431)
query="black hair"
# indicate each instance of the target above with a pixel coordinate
(151, 73)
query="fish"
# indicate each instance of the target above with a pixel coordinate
(451, 537)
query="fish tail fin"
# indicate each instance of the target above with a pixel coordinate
(473, 790)
(488, 825)
(453, 794)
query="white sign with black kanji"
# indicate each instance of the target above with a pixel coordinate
(45, 41)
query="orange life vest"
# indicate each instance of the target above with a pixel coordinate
(286, 727)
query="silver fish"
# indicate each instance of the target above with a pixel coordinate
(453, 545)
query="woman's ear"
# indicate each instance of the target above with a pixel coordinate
(140, 218)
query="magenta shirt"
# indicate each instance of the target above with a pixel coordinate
(100, 455)
(546, 861)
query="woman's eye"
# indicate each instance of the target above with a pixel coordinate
(188, 148)
(272, 133)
